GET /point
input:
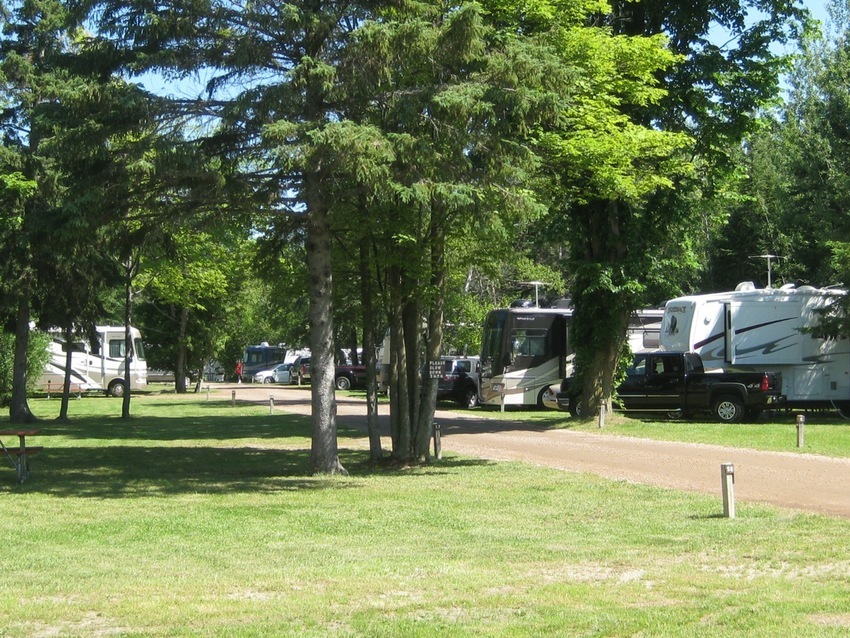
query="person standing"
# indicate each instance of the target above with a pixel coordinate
(239, 371)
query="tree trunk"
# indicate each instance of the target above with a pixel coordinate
(434, 345)
(603, 307)
(369, 354)
(411, 319)
(399, 385)
(128, 344)
(66, 381)
(324, 456)
(180, 367)
(19, 409)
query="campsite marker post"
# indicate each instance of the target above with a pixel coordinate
(727, 475)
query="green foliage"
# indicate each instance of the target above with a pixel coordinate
(37, 358)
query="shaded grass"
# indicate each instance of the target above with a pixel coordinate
(199, 519)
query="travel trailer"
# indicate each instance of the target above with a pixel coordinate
(96, 364)
(524, 350)
(753, 329)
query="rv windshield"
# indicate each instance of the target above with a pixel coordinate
(140, 349)
(494, 330)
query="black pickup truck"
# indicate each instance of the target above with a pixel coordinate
(677, 383)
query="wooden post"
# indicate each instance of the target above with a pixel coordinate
(438, 445)
(233, 398)
(602, 415)
(271, 404)
(801, 430)
(727, 476)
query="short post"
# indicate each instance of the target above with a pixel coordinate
(727, 475)
(208, 392)
(602, 414)
(438, 446)
(48, 389)
(801, 430)
(233, 398)
(271, 404)
(502, 402)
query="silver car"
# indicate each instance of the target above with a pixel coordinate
(279, 374)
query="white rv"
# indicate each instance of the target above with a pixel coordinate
(763, 329)
(96, 364)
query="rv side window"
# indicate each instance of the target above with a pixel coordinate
(140, 349)
(116, 348)
(77, 346)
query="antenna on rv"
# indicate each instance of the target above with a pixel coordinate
(536, 285)
(769, 260)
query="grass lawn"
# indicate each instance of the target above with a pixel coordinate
(195, 518)
(826, 432)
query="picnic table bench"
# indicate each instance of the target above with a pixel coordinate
(19, 456)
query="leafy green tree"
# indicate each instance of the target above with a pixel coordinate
(37, 358)
(660, 147)
(187, 293)
(35, 81)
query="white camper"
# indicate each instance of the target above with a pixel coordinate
(97, 364)
(752, 329)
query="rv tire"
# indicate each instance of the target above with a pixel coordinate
(116, 388)
(728, 409)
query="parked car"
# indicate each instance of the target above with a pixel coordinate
(347, 377)
(279, 374)
(460, 380)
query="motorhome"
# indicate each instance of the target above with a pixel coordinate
(262, 357)
(753, 329)
(525, 350)
(97, 363)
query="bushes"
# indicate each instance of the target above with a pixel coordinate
(37, 357)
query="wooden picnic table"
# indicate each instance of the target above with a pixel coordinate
(19, 456)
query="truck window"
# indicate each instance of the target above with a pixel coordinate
(666, 365)
(638, 367)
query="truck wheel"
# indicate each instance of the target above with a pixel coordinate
(343, 383)
(728, 409)
(116, 388)
(470, 398)
(577, 408)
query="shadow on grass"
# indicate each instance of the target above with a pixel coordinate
(185, 428)
(132, 472)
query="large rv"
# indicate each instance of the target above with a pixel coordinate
(261, 357)
(96, 363)
(764, 329)
(525, 350)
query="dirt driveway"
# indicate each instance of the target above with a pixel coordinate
(799, 481)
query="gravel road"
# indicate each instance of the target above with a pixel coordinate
(799, 481)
